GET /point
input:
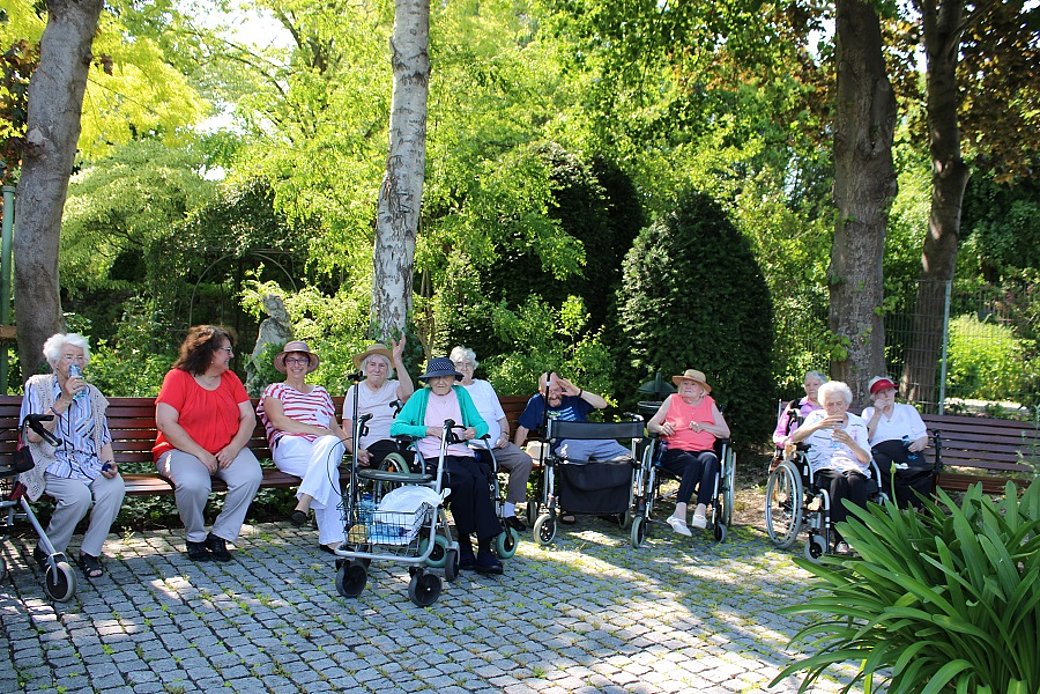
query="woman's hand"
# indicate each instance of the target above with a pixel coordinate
(468, 434)
(210, 461)
(397, 349)
(503, 440)
(566, 387)
(842, 436)
(696, 426)
(666, 429)
(73, 385)
(226, 455)
(883, 406)
(110, 469)
(363, 457)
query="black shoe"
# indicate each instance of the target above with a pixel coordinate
(467, 562)
(488, 563)
(515, 523)
(197, 551)
(218, 547)
(298, 517)
(40, 556)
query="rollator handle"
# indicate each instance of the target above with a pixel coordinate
(35, 422)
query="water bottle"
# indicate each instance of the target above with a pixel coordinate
(367, 507)
(911, 457)
(76, 372)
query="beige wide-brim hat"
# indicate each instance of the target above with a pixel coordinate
(692, 375)
(300, 347)
(376, 348)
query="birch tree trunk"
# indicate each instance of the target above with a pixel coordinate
(400, 195)
(943, 24)
(864, 186)
(53, 126)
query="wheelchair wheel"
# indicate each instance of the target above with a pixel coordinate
(60, 582)
(438, 555)
(531, 512)
(815, 547)
(424, 588)
(728, 491)
(718, 531)
(784, 505)
(638, 534)
(351, 579)
(545, 529)
(451, 564)
(506, 543)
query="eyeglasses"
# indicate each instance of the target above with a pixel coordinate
(228, 350)
(297, 360)
(463, 364)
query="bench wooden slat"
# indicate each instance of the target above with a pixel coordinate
(982, 450)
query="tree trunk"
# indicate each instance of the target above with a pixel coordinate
(400, 195)
(53, 127)
(864, 186)
(942, 36)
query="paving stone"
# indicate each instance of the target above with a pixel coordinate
(587, 615)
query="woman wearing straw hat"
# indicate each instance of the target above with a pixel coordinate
(375, 395)
(689, 422)
(471, 507)
(306, 440)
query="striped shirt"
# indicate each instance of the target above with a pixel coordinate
(78, 456)
(313, 408)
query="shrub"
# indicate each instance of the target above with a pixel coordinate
(693, 296)
(986, 360)
(945, 598)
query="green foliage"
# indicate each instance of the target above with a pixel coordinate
(548, 339)
(944, 599)
(986, 360)
(693, 296)
(134, 361)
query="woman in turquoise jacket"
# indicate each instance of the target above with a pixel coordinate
(423, 418)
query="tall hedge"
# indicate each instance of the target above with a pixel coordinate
(693, 296)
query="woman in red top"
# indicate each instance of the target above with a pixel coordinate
(689, 422)
(205, 420)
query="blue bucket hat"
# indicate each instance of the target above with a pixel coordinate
(440, 366)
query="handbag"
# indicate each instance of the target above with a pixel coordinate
(21, 461)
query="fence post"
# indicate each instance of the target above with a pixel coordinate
(945, 346)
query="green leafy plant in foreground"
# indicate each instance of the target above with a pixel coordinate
(940, 600)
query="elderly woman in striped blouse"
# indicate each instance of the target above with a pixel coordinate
(306, 440)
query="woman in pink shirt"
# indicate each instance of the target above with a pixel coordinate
(689, 422)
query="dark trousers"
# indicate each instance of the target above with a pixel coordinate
(842, 484)
(470, 502)
(695, 470)
(910, 485)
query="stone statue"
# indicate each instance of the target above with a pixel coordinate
(275, 331)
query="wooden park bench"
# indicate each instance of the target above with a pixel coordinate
(978, 449)
(131, 421)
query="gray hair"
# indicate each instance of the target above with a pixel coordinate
(821, 377)
(831, 387)
(389, 364)
(464, 354)
(55, 345)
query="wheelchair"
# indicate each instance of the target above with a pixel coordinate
(647, 486)
(794, 501)
(586, 487)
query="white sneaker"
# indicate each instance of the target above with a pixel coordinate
(679, 526)
(699, 521)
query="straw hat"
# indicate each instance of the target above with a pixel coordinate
(692, 375)
(300, 347)
(376, 348)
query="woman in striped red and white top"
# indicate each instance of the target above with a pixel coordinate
(306, 440)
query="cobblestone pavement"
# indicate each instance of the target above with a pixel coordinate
(589, 614)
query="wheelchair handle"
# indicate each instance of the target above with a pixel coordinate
(35, 422)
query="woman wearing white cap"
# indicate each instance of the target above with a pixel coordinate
(898, 435)
(689, 422)
(306, 440)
